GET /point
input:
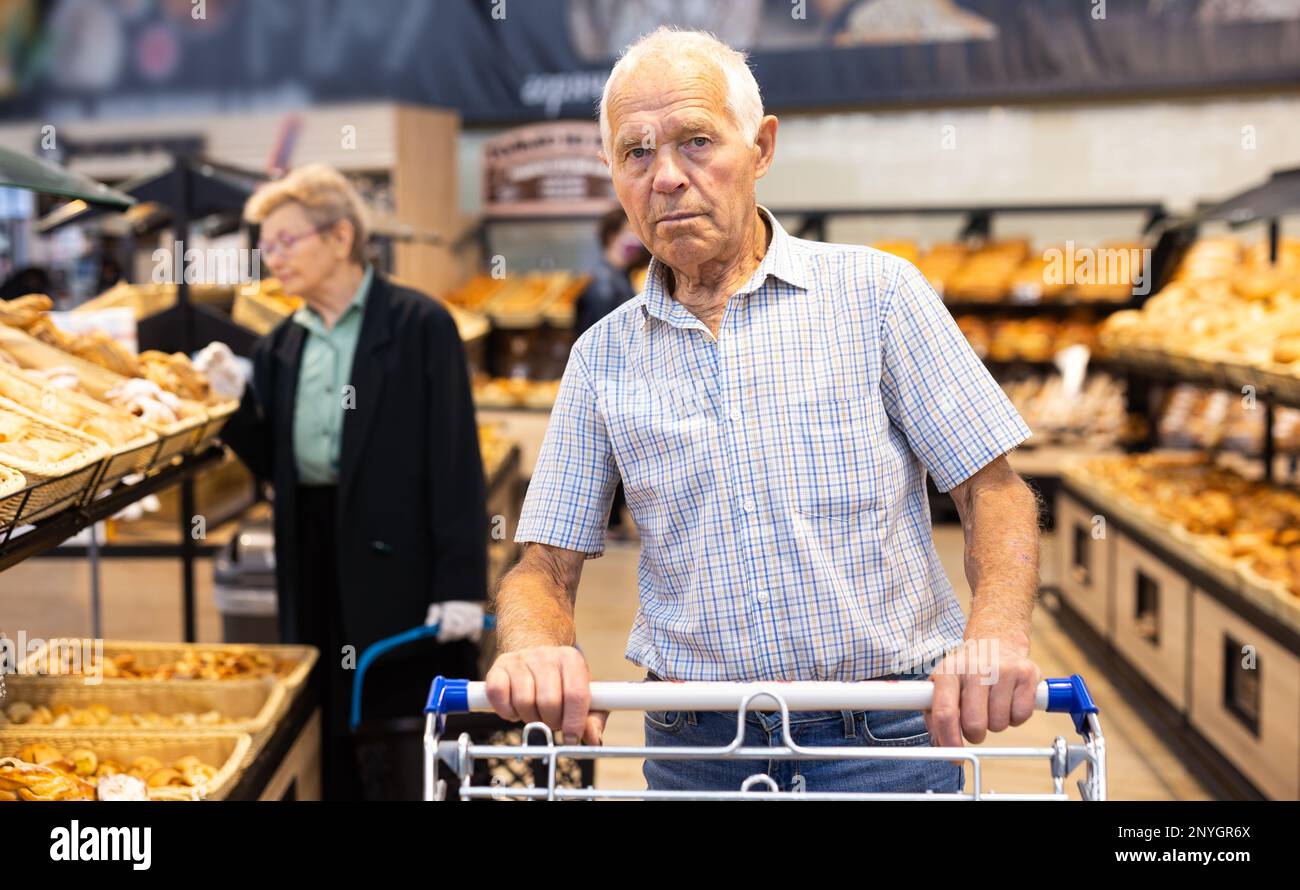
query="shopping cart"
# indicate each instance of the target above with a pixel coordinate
(1066, 695)
(388, 750)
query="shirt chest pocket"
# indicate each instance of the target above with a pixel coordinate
(835, 455)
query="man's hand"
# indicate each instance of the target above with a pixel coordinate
(988, 684)
(547, 684)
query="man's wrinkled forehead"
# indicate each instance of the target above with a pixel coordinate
(666, 93)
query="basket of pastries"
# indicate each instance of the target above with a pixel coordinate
(175, 374)
(131, 445)
(137, 661)
(1227, 519)
(986, 275)
(35, 704)
(107, 765)
(176, 421)
(59, 463)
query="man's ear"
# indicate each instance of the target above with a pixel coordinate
(765, 142)
(604, 158)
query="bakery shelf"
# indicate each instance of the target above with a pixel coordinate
(1264, 605)
(81, 513)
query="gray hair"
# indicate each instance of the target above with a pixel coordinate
(744, 102)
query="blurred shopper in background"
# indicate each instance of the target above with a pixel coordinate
(359, 414)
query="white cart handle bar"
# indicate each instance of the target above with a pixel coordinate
(1065, 695)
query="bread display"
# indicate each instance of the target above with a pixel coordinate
(1226, 303)
(40, 449)
(986, 274)
(1255, 526)
(1196, 417)
(64, 716)
(940, 263)
(1094, 417)
(1034, 339)
(477, 293)
(192, 664)
(1011, 271)
(42, 772)
(514, 392)
(493, 447)
(175, 374)
(113, 427)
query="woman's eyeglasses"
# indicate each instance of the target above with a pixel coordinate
(286, 242)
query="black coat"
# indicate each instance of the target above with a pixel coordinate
(412, 521)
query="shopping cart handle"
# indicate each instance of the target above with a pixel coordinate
(1066, 695)
(1070, 695)
(386, 645)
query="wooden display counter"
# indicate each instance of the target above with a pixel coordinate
(1221, 652)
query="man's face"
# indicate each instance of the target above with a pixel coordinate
(681, 168)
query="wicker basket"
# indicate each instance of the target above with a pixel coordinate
(176, 438)
(217, 416)
(12, 484)
(151, 654)
(250, 706)
(226, 751)
(62, 484)
(258, 313)
(132, 452)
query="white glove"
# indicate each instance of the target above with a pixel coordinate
(457, 620)
(223, 370)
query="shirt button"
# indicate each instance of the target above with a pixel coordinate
(761, 596)
(735, 414)
(749, 506)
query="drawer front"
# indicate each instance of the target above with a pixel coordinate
(1246, 703)
(1152, 606)
(1084, 552)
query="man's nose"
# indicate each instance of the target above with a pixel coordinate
(668, 175)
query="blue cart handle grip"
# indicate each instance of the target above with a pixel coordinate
(1070, 695)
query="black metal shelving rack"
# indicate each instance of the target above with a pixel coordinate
(188, 189)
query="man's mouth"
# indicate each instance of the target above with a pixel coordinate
(678, 217)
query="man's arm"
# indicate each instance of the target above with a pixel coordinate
(991, 683)
(539, 675)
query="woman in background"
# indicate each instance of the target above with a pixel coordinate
(359, 413)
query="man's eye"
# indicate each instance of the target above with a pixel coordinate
(700, 141)
(639, 152)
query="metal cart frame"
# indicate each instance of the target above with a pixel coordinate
(1065, 695)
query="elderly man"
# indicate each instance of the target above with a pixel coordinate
(772, 406)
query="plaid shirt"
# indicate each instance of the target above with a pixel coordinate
(777, 473)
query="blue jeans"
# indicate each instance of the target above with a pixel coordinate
(880, 729)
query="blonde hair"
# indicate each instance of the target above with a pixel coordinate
(325, 196)
(744, 102)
